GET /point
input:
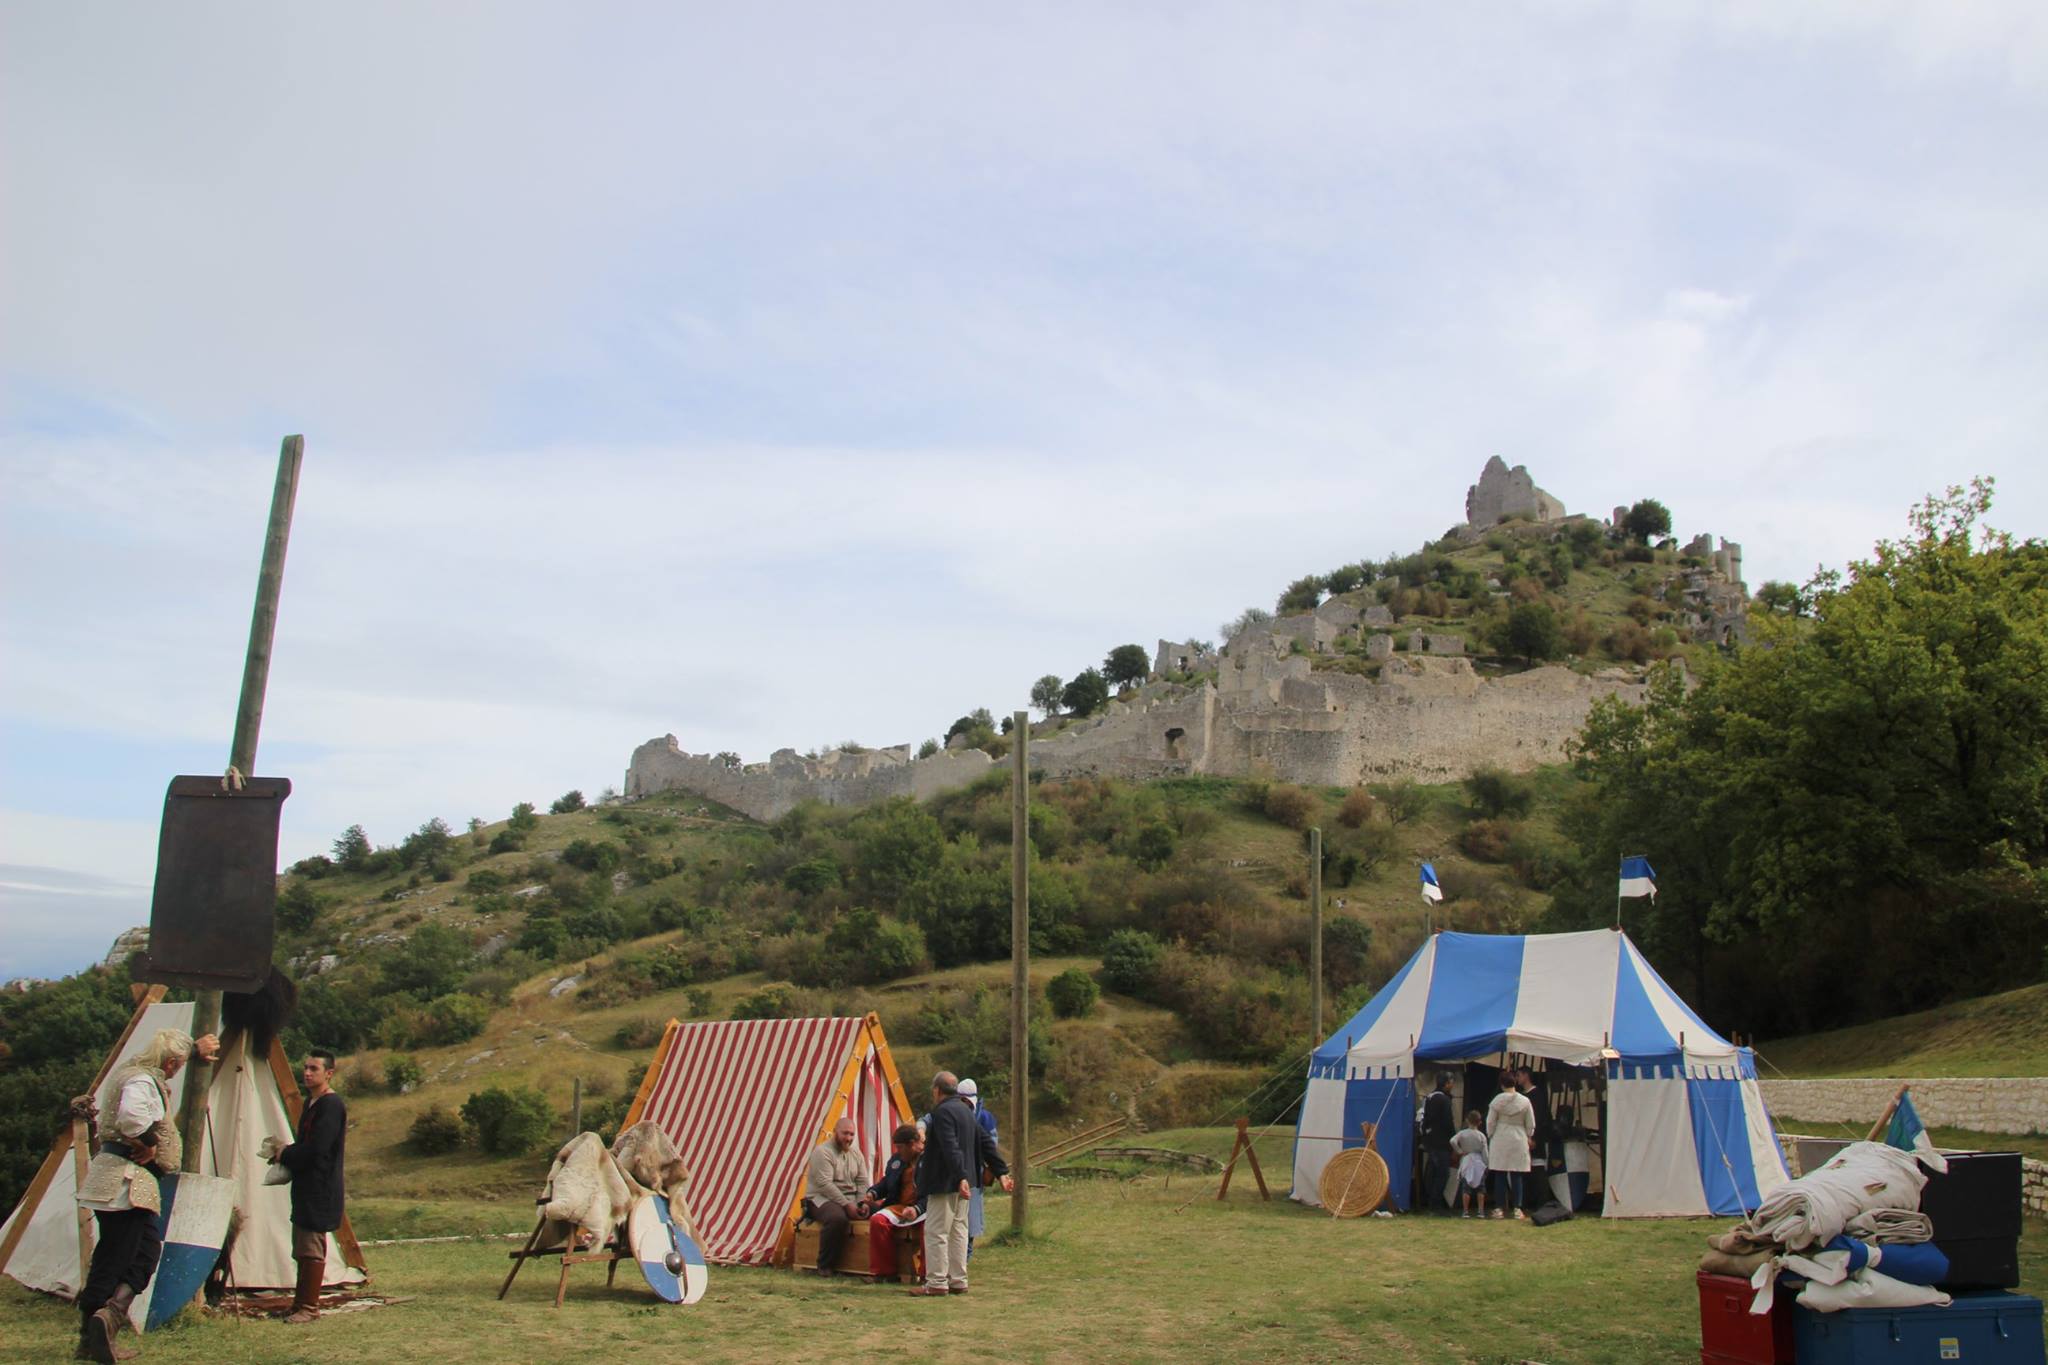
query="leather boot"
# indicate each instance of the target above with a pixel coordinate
(118, 1303)
(306, 1301)
(96, 1338)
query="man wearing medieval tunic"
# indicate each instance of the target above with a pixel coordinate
(139, 1139)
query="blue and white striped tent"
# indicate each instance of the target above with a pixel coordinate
(1687, 1132)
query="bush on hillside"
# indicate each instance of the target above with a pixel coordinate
(1402, 800)
(770, 1002)
(436, 1132)
(1072, 993)
(298, 908)
(402, 1073)
(1493, 793)
(507, 1122)
(1130, 961)
(1290, 805)
(1356, 809)
(594, 855)
(635, 1034)
(567, 803)
(1488, 840)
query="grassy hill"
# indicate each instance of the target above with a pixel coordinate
(1994, 1035)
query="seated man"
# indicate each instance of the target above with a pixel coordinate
(897, 1201)
(835, 1187)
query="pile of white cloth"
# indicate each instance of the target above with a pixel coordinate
(1864, 1177)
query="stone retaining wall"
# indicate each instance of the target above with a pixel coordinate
(1985, 1104)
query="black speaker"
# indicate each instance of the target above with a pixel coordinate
(213, 919)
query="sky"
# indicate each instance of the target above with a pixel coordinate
(785, 374)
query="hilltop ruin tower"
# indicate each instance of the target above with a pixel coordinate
(1502, 493)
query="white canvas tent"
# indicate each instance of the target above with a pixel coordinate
(41, 1241)
(1687, 1131)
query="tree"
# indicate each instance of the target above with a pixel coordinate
(1890, 753)
(726, 758)
(1087, 693)
(1784, 598)
(427, 844)
(568, 801)
(1647, 518)
(1532, 632)
(1495, 793)
(507, 1122)
(1344, 578)
(352, 849)
(523, 818)
(1303, 594)
(928, 748)
(1402, 800)
(297, 906)
(1126, 664)
(1045, 693)
(1130, 961)
(1072, 993)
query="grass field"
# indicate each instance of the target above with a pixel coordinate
(1150, 1268)
(1993, 1035)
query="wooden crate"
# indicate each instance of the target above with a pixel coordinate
(854, 1259)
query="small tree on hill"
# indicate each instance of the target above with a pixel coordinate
(1533, 633)
(568, 801)
(1646, 519)
(1303, 594)
(1045, 693)
(1344, 578)
(1072, 993)
(352, 849)
(1126, 664)
(1245, 620)
(1087, 693)
(523, 818)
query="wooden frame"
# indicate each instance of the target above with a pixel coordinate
(1243, 1147)
(784, 1254)
(611, 1253)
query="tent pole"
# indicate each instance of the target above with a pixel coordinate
(242, 759)
(1020, 968)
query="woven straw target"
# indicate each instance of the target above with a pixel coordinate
(1354, 1182)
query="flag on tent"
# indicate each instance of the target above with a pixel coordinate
(1430, 890)
(1638, 878)
(1908, 1134)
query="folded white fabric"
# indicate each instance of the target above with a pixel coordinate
(1891, 1225)
(1869, 1289)
(1812, 1209)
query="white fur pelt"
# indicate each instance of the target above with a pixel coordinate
(650, 1160)
(586, 1195)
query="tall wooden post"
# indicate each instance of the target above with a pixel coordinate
(1020, 966)
(242, 758)
(1315, 937)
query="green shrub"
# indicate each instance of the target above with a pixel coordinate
(700, 1002)
(298, 907)
(1402, 800)
(435, 1132)
(1130, 961)
(402, 1073)
(456, 1019)
(508, 1122)
(594, 855)
(811, 876)
(507, 841)
(638, 1033)
(1494, 793)
(1357, 808)
(568, 802)
(1072, 993)
(1488, 840)
(1290, 805)
(770, 1002)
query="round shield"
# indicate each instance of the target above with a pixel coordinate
(652, 1246)
(1354, 1182)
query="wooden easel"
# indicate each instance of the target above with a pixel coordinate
(611, 1254)
(1243, 1147)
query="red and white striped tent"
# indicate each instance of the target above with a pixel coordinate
(746, 1100)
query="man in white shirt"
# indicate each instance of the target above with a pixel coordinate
(138, 1139)
(835, 1192)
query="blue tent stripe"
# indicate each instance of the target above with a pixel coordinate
(1390, 1104)
(1638, 1032)
(1720, 1134)
(1482, 978)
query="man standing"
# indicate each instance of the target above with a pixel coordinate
(1439, 1125)
(315, 1162)
(835, 1184)
(139, 1140)
(956, 1148)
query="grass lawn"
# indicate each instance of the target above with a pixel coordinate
(1150, 1268)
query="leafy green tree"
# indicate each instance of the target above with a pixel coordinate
(1784, 598)
(568, 801)
(1890, 755)
(430, 963)
(1495, 793)
(1072, 993)
(298, 906)
(427, 844)
(352, 849)
(508, 1122)
(1532, 631)
(523, 818)
(1303, 594)
(1130, 961)
(895, 843)
(1045, 693)
(1646, 519)
(928, 748)
(1245, 620)
(1126, 664)
(436, 1132)
(402, 1073)
(1087, 693)
(1344, 578)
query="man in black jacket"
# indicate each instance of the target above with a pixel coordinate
(315, 1163)
(956, 1147)
(1439, 1125)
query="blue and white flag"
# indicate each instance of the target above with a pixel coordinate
(1430, 890)
(1637, 878)
(1908, 1134)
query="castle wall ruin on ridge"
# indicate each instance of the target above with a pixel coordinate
(1427, 715)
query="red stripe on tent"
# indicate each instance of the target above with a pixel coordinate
(792, 1128)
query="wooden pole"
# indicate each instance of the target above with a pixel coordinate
(1315, 936)
(576, 1107)
(1020, 966)
(242, 758)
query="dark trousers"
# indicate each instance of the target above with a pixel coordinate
(126, 1252)
(833, 1229)
(1507, 1188)
(1436, 1173)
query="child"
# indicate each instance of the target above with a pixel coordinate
(1468, 1148)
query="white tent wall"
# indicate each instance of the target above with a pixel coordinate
(245, 1106)
(1653, 1167)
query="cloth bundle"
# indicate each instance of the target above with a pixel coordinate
(1862, 1178)
(1892, 1226)
(1846, 1274)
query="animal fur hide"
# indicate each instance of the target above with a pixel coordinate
(586, 1196)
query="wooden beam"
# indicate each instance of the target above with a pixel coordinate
(661, 1051)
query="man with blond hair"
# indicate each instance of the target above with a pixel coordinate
(138, 1140)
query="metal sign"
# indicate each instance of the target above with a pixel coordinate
(212, 922)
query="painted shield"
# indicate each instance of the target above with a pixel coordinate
(194, 1225)
(670, 1260)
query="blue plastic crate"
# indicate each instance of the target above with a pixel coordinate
(1977, 1329)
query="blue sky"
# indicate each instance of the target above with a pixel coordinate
(818, 373)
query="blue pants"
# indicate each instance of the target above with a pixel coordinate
(1507, 1189)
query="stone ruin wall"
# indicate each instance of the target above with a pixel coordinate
(768, 790)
